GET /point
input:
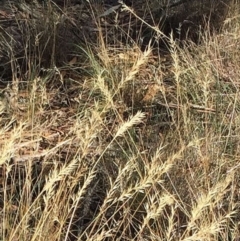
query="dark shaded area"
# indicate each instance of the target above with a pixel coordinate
(46, 33)
(188, 17)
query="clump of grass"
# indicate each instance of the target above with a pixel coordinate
(125, 144)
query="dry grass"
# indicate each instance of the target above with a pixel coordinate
(126, 144)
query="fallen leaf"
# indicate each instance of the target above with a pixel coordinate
(73, 61)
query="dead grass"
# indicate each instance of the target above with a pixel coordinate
(126, 144)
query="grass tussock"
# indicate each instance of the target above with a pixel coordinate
(124, 143)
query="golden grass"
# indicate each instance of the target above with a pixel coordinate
(145, 147)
